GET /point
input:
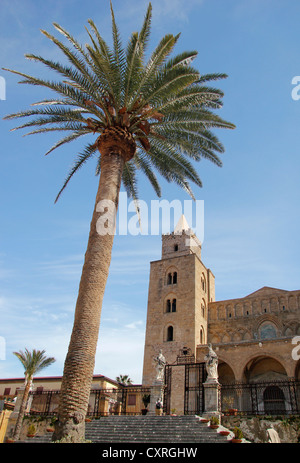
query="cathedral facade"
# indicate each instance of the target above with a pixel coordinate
(255, 337)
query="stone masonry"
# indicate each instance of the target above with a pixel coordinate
(254, 336)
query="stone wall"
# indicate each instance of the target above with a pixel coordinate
(40, 423)
(268, 313)
(255, 428)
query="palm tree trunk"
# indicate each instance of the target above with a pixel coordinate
(18, 426)
(80, 359)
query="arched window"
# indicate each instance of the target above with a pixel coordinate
(267, 331)
(172, 278)
(168, 306)
(176, 247)
(174, 305)
(203, 282)
(203, 308)
(170, 333)
(201, 336)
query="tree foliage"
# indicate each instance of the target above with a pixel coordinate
(161, 102)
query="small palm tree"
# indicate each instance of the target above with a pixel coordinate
(33, 362)
(124, 380)
(147, 114)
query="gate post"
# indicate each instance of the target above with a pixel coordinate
(211, 399)
(157, 390)
(156, 395)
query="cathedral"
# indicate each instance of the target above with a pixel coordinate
(254, 337)
(256, 340)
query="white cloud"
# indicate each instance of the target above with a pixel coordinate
(69, 267)
(134, 325)
(121, 352)
(162, 10)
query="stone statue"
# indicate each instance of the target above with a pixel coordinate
(160, 366)
(211, 360)
(273, 436)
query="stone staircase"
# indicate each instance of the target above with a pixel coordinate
(152, 429)
(146, 429)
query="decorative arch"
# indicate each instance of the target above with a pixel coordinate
(221, 312)
(226, 338)
(215, 338)
(171, 276)
(290, 329)
(230, 311)
(225, 373)
(170, 303)
(247, 335)
(267, 330)
(292, 303)
(262, 324)
(247, 309)
(237, 336)
(239, 312)
(265, 367)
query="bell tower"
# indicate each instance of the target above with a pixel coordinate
(180, 288)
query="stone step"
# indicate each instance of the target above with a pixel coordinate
(155, 429)
(145, 429)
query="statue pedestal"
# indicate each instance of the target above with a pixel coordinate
(212, 390)
(157, 393)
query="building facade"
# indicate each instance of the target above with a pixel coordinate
(255, 337)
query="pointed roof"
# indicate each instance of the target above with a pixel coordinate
(266, 290)
(182, 225)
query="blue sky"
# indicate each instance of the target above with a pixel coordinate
(251, 228)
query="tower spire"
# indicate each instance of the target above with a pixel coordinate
(181, 226)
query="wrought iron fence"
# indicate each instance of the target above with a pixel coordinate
(44, 402)
(102, 402)
(263, 398)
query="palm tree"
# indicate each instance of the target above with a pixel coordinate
(146, 114)
(124, 380)
(33, 362)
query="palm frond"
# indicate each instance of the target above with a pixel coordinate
(34, 361)
(215, 76)
(158, 57)
(79, 162)
(119, 59)
(145, 31)
(130, 184)
(163, 103)
(143, 164)
(73, 136)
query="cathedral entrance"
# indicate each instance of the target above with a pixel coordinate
(184, 391)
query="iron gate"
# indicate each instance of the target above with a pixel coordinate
(195, 376)
(193, 390)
